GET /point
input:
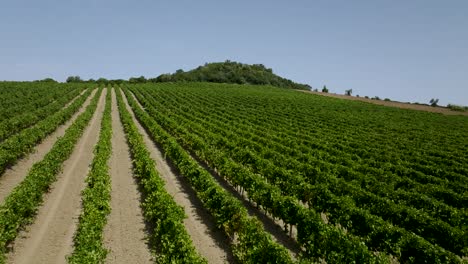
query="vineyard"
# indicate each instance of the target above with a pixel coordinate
(193, 172)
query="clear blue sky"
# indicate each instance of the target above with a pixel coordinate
(405, 50)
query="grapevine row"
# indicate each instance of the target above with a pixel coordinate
(19, 97)
(407, 240)
(88, 246)
(22, 203)
(266, 119)
(22, 143)
(319, 240)
(282, 156)
(432, 229)
(29, 117)
(335, 153)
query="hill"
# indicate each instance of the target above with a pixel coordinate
(231, 72)
(450, 110)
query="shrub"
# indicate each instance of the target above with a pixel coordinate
(458, 108)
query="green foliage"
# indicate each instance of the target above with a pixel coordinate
(88, 246)
(458, 108)
(434, 102)
(102, 81)
(269, 197)
(349, 92)
(47, 80)
(324, 89)
(21, 204)
(391, 195)
(74, 79)
(19, 97)
(19, 144)
(140, 79)
(231, 72)
(30, 113)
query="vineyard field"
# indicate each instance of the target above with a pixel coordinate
(195, 172)
(368, 170)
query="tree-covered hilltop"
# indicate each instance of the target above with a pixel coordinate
(217, 72)
(231, 72)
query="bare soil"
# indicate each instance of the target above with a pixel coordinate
(124, 234)
(50, 238)
(16, 173)
(209, 241)
(441, 110)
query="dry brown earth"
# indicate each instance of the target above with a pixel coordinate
(124, 234)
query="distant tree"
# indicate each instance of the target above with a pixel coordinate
(348, 92)
(119, 81)
(324, 89)
(387, 99)
(74, 79)
(179, 71)
(49, 80)
(459, 108)
(367, 97)
(376, 98)
(140, 79)
(434, 102)
(102, 80)
(165, 77)
(315, 90)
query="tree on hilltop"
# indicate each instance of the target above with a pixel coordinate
(74, 79)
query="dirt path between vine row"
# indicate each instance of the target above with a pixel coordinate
(50, 238)
(124, 234)
(209, 241)
(16, 174)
